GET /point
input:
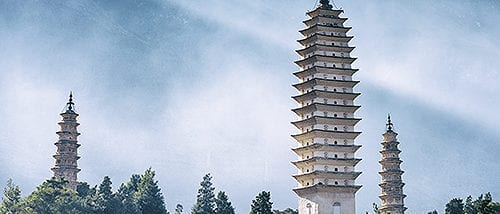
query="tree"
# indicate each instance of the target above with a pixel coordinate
(375, 208)
(495, 207)
(11, 197)
(178, 209)
(433, 212)
(223, 205)
(286, 211)
(262, 204)
(469, 206)
(148, 197)
(205, 200)
(455, 206)
(125, 196)
(481, 204)
(106, 201)
(53, 197)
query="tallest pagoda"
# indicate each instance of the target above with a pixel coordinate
(326, 140)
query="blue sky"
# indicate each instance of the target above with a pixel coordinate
(191, 87)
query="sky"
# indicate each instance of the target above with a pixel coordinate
(195, 87)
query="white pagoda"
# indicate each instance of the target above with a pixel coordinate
(326, 122)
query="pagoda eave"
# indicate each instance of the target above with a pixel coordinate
(318, 188)
(326, 148)
(323, 160)
(320, 11)
(325, 107)
(323, 47)
(323, 69)
(325, 59)
(325, 94)
(318, 133)
(325, 82)
(327, 174)
(326, 120)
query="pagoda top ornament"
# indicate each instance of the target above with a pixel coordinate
(325, 4)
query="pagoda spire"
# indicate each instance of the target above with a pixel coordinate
(70, 103)
(66, 156)
(392, 196)
(325, 4)
(389, 123)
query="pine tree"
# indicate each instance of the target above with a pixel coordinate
(455, 206)
(262, 204)
(223, 204)
(481, 204)
(106, 201)
(148, 197)
(53, 197)
(205, 200)
(11, 197)
(469, 206)
(178, 209)
(125, 196)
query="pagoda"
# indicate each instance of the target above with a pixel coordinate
(326, 122)
(66, 156)
(392, 196)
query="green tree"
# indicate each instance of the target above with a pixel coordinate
(106, 201)
(376, 210)
(455, 206)
(223, 205)
(53, 197)
(286, 211)
(148, 197)
(481, 204)
(495, 207)
(469, 206)
(205, 200)
(11, 197)
(433, 212)
(178, 209)
(125, 196)
(262, 204)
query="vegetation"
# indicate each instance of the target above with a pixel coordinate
(206, 203)
(484, 204)
(262, 204)
(140, 195)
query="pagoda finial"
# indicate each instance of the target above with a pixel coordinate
(70, 102)
(325, 4)
(389, 122)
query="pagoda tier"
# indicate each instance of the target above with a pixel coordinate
(66, 156)
(326, 122)
(392, 196)
(315, 70)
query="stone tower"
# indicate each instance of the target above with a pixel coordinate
(67, 146)
(326, 149)
(392, 185)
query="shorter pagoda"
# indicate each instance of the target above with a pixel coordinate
(66, 156)
(392, 185)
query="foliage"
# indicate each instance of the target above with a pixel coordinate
(178, 209)
(223, 205)
(148, 197)
(433, 212)
(205, 200)
(455, 206)
(11, 197)
(286, 211)
(53, 197)
(262, 204)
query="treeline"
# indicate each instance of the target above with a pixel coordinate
(140, 195)
(484, 204)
